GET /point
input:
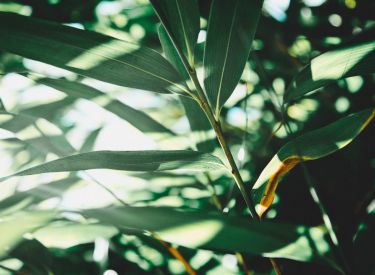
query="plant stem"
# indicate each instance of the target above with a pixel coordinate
(203, 102)
(176, 254)
(218, 205)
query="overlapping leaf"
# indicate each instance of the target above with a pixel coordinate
(128, 161)
(137, 118)
(28, 129)
(88, 53)
(310, 146)
(354, 59)
(13, 227)
(199, 229)
(73, 234)
(231, 28)
(181, 20)
(199, 124)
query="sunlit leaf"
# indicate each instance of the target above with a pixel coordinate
(354, 59)
(88, 53)
(181, 20)
(37, 132)
(231, 28)
(137, 118)
(66, 234)
(128, 161)
(200, 229)
(13, 227)
(313, 145)
(21, 200)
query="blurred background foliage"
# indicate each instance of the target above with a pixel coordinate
(290, 33)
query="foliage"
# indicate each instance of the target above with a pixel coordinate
(136, 136)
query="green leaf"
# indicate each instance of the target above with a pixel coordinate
(354, 59)
(64, 235)
(128, 161)
(181, 20)
(199, 124)
(171, 53)
(202, 229)
(88, 53)
(137, 118)
(231, 28)
(201, 130)
(90, 140)
(313, 145)
(31, 131)
(13, 227)
(22, 200)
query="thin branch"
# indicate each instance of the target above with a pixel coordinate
(176, 254)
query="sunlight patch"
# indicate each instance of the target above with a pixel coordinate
(193, 234)
(95, 56)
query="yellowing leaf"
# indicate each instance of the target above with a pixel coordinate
(310, 146)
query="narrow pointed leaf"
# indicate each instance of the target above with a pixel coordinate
(90, 140)
(181, 20)
(13, 227)
(66, 234)
(27, 129)
(214, 231)
(313, 145)
(231, 28)
(88, 53)
(137, 118)
(357, 58)
(199, 124)
(128, 161)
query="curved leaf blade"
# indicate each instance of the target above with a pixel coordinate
(13, 227)
(198, 121)
(88, 53)
(357, 58)
(231, 28)
(181, 19)
(65, 235)
(313, 145)
(137, 118)
(199, 229)
(128, 161)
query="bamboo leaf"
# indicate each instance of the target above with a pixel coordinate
(74, 234)
(23, 199)
(310, 146)
(29, 130)
(198, 121)
(206, 230)
(13, 227)
(137, 118)
(181, 20)
(231, 28)
(354, 59)
(88, 53)
(127, 161)
(90, 140)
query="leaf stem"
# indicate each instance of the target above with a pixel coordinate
(203, 102)
(176, 254)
